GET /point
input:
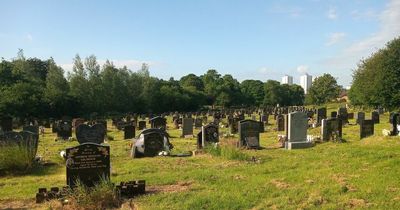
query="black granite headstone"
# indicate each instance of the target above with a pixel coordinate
(89, 163)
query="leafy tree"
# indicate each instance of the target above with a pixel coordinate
(253, 92)
(324, 89)
(376, 80)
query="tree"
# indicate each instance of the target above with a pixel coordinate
(376, 79)
(324, 89)
(253, 92)
(57, 90)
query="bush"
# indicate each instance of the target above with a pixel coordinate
(101, 196)
(15, 158)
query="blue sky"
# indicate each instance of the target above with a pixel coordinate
(247, 39)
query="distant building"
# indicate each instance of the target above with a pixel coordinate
(287, 80)
(306, 82)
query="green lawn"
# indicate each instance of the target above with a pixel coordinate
(356, 174)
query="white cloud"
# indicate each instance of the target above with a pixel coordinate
(133, 65)
(332, 14)
(334, 38)
(302, 69)
(389, 28)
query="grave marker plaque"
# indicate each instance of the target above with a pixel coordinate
(360, 117)
(209, 134)
(90, 134)
(280, 122)
(297, 131)
(142, 125)
(321, 114)
(187, 127)
(366, 128)
(129, 132)
(89, 163)
(64, 129)
(158, 122)
(375, 117)
(249, 134)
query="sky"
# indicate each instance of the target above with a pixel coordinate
(249, 39)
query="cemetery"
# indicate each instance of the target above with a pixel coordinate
(199, 105)
(162, 163)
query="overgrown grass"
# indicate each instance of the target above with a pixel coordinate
(101, 196)
(15, 158)
(227, 151)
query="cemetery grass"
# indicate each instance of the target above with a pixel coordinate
(355, 174)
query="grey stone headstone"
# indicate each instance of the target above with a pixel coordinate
(297, 131)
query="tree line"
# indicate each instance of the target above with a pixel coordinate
(35, 87)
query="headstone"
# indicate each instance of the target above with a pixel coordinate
(142, 124)
(129, 132)
(90, 134)
(342, 114)
(297, 131)
(360, 117)
(158, 122)
(394, 121)
(150, 143)
(366, 128)
(187, 127)
(89, 163)
(233, 126)
(77, 121)
(249, 134)
(280, 123)
(198, 123)
(64, 129)
(25, 139)
(321, 114)
(375, 117)
(331, 129)
(209, 134)
(262, 128)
